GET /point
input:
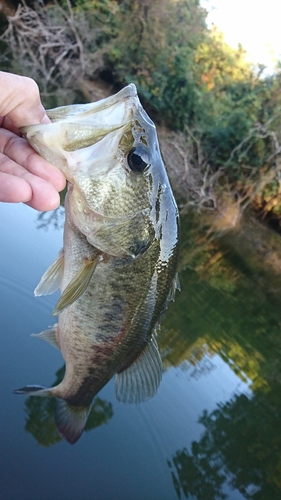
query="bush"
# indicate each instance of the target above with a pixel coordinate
(187, 77)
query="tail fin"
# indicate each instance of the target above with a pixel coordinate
(71, 420)
(33, 390)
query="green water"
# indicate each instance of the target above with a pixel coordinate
(212, 430)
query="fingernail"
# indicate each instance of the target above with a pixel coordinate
(45, 119)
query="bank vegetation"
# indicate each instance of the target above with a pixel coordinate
(218, 117)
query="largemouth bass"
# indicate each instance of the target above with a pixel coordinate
(117, 269)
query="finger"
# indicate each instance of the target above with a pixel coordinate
(19, 185)
(20, 100)
(14, 189)
(18, 150)
(44, 195)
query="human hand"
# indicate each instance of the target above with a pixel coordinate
(24, 175)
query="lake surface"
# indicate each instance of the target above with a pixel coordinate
(213, 429)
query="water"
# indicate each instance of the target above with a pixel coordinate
(212, 430)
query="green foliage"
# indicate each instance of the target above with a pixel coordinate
(187, 75)
(155, 49)
(100, 14)
(238, 111)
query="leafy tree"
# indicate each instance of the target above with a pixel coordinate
(155, 49)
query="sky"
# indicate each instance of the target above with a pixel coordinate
(256, 24)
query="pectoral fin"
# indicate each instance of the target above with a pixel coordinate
(77, 286)
(51, 279)
(50, 335)
(141, 380)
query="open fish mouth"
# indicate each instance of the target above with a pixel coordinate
(79, 126)
(91, 136)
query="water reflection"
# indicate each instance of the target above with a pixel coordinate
(54, 219)
(227, 308)
(240, 448)
(40, 415)
(224, 308)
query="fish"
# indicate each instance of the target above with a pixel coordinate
(117, 270)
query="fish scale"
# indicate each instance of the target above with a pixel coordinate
(117, 269)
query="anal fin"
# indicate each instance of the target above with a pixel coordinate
(51, 279)
(50, 335)
(140, 381)
(77, 286)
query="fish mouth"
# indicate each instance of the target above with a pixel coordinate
(127, 93)
(77, 127)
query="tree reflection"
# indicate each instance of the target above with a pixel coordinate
(240, 448)
(223, 308)
(54, 219)
(193, 476)
(40, 416)
(228, 306)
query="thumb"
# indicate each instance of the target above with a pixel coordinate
(20, 100)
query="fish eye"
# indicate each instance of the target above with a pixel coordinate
(138, 159)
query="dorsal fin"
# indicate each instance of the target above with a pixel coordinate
(175, 286)
(140, 381)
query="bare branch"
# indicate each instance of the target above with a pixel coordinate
(49, 44)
